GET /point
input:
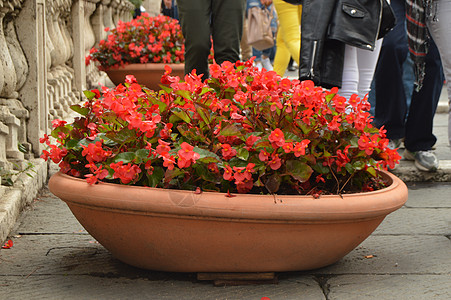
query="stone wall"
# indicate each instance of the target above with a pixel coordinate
(43, 44)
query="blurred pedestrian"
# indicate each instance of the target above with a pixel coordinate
(169, 8)
(414, 123)
(288, 35)
(222, 21)
(439, 24)
(332, 34)
(262, 57)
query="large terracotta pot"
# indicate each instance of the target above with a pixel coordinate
(146, 74)
(174, 230)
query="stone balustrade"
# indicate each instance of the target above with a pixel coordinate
(43, 44)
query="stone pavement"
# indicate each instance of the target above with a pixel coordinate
(407, 257)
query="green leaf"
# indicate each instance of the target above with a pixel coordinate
(21, 148)
(90, 95)
(81, 110)
(203, 115)
(299, 170)
(73, 144)
(203, 172)
(242, 154)
(141, 155)
(372, 171)
(318, 167)
(205, 90)
(358, 165)
(206, 154)
(272, 184)
(329, 97)
(291, 136)
(123, 136)
(182, 115)
(171, 174)
(125, 157)
(230, 130)
(349, 168)
(156, 177)
(161, 105)
(184, 93)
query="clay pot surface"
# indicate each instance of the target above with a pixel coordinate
(146, 74)
(181, 231)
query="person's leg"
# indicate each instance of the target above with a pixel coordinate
(227, 27)
(258, 58)
(358, 70)
(282, 54)
(440, 33)
(419, 125)
(350, 73)
(246, 49)
(195, 23)
(390, 108)
(366, 62)
(289, 17)
(266, 62)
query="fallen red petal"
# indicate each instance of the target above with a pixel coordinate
(8, 244)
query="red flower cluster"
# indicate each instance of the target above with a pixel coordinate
(144, 39)
(242, 131)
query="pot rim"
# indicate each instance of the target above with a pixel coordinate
(246, 207)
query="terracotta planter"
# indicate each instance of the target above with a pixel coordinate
(146, 74)
(172, 230)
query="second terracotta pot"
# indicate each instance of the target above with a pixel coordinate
(148, 75)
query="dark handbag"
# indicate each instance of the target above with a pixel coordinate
(388, 19)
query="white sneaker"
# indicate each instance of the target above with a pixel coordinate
(424, 160)
(267, 64)
(259, 65)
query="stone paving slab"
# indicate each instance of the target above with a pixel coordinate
(389, 287)
(414, 255)
(413, 221)
(48, 214)
(429, 194)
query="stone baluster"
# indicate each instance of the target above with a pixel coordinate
(31, 33)
(66, 71)
(66, 22)
(92, 74)
(108, 16)
(53, 77)
(126, 11)
(9, 74)
(97, 21)
(115, 11)
(21, 68)
(8, 93)
(77, 32)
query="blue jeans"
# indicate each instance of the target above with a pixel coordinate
(414, 123)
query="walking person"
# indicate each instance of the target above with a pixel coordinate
(412, 123)
(218, 19)
(439, 24)
(288, 38)
(262, 57)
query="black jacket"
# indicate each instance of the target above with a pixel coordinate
(326, 26)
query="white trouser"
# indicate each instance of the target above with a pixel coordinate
(358, 70)
(440, 32)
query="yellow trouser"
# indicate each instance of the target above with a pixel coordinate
(288, 35)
